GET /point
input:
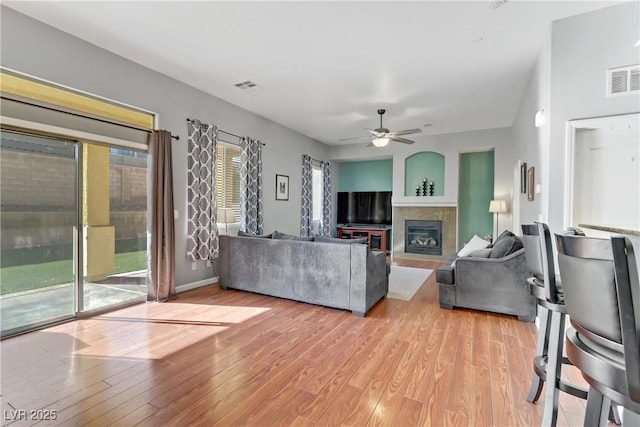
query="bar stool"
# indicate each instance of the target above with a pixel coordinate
(602, 291)
(548, 361)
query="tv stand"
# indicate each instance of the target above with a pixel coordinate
(377, 235)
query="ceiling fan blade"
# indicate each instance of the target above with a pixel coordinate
(403, 140)
(375, 132)
(370, 144)
(355, 137)
(404, 132)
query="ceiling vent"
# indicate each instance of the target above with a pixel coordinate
(623, 80)
(248, 87)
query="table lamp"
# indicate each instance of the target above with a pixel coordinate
(495, 207)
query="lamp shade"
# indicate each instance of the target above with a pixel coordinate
(226, 216)
(380, 142)
(497, 206)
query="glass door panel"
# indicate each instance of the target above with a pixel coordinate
(38, 216)
(114, 222)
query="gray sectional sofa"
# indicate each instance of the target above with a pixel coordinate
(331, 274)
(489, 281)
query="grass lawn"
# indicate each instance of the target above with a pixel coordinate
(35, 276)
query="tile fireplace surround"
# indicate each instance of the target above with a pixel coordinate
(446, 214)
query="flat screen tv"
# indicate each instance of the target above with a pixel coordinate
(364, 207)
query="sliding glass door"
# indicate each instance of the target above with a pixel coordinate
(114, 216)
(38, 224)
(73, 229)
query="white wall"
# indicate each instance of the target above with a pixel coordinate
(450, 145)
(568, 82)
(531, 143)
(583, 47)
(42, 51)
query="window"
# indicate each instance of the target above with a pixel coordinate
(228, 179)
(317, 198)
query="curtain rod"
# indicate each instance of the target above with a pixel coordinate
(228, 133)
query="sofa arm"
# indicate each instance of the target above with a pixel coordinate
(369, 278)
(445, 275)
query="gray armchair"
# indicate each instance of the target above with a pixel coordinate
(496, 284)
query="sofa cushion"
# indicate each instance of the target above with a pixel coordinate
(284, 236)
(326, 239)
(474, 244)
(262, 236)
(505, 246)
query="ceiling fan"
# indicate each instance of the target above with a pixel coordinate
(381, 136)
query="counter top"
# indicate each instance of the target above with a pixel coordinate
(611, 229)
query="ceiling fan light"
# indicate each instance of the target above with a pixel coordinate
(380, 142)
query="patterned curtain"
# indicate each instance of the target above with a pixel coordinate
(325, 225)
(306, 217)
(202, 232)
(251, 186)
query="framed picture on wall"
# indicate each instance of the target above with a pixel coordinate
(531, 183)
(282, 187)
(523, 177)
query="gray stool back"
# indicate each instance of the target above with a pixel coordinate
(548, 360)
(602, 298)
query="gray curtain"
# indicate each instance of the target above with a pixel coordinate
(251, 220)
(306, 216)
(325, 226)
(202, 231)
(161, 274)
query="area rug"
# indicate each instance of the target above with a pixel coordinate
(404, 282)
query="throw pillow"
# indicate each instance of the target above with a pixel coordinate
(481, 253)
(261, 236)
(506, 246)
(284, 236)
(505, 233)
(326, 239)
(474, 244)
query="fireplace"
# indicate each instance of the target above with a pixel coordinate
(423, 237)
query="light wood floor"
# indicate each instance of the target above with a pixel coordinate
(229, 358)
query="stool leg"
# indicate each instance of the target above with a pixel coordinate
(597, 410)
(541, 350)
(554, 365)
(614, 415)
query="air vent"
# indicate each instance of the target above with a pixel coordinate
(248, 87)
(623, 80)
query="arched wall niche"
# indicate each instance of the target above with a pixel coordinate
(427, 165)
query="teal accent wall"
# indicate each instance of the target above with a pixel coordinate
(426, 164)
(369, 175)
(475, 191)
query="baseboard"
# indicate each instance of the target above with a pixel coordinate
(194, 285)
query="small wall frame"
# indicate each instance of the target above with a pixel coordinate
(282, 187)
(523, 178)
(531, 183)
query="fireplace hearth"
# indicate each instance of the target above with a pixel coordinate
(423, 237)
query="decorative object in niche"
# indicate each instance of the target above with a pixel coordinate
(427, 188)
(531, 183)
(282, 187)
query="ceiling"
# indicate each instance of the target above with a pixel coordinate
(324, 68)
